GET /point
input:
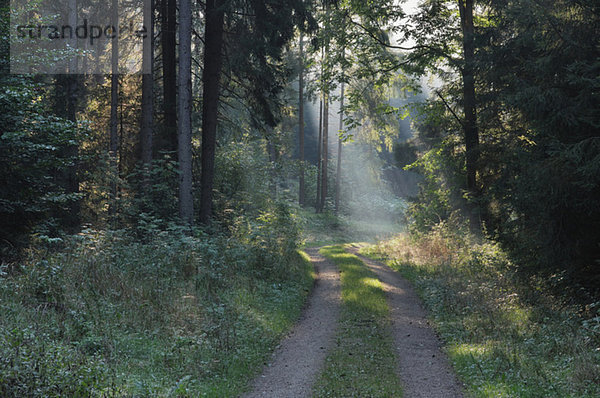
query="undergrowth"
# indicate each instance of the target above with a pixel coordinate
(505, 337)
(362, 362)
(328, 228)
(170, 315)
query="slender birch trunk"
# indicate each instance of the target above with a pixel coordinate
(339, 154)
(301, 189)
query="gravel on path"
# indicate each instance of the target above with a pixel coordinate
(423, 366)
(297, 362)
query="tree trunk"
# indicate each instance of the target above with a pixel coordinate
(169, 60)
(66, 90)
(470, 126)
(114, 114)
(72, 183)
(72, 80)
(325, 93)
(186, 200)
(319, 158)
(325, 152)
(72, 91)
(211, 76)
(338, 178)
(301, 194)
(147, 91)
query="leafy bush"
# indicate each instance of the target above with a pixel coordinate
(156, 198)
(440, 161)
(168, 315)
(36, 154)
(242, 180)
(33, 364)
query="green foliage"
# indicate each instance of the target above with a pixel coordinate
(155, 195)
(241, 179)
(261, 33)
(433, 204)
(34, 365)
(504, 338)
(370, 117)
(174, 315)
(543, 181)
(35, 155)
(536, 68)
(351, 46)
(441, 163)
(405, 153)
(272, 236)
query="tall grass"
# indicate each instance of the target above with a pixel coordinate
(505, 337)
(171, 316)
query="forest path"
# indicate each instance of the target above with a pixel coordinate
(299, 359)
(423, 367)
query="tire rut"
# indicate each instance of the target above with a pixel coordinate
(297, 362)
(423, 366)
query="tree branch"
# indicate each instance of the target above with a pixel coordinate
(449, 108)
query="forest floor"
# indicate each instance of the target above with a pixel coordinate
(419, 366)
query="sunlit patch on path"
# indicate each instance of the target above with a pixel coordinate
(363, 361)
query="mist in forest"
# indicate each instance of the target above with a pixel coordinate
(374, 190)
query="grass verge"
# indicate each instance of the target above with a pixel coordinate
(362, 363)
(504, 338)
(175, 317)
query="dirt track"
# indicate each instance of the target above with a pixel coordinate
(423, 367)
(297, 362)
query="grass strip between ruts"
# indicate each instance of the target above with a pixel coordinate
(362, 362)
